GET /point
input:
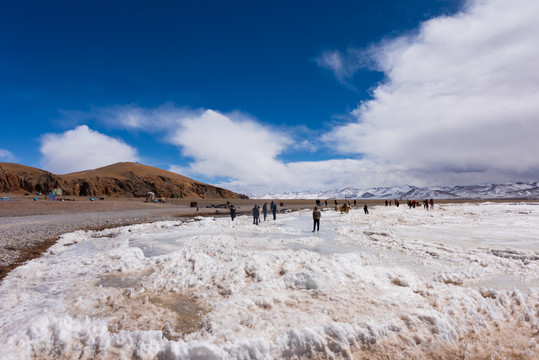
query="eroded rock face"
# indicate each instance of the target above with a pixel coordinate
(27, 181)
(20, 179)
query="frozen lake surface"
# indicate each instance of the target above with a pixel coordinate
(459, 280)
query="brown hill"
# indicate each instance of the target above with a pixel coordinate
(117, 180)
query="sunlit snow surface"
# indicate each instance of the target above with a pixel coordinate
(459, 280)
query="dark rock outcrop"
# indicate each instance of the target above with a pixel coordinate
(19, 178)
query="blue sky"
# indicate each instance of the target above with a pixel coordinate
(275, 96)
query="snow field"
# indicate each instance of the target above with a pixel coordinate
(459, 280)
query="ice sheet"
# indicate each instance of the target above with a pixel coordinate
(459, 279)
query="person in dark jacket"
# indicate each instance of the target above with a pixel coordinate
(365, 209)
(274, 210)
(232, 212)
(256, 214)
(265, 210)
(316, 219)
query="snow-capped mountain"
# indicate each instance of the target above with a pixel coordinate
(519, 190)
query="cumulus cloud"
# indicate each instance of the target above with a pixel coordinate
(82, 148)
(225, 146)
(461, 99)
(6, 155)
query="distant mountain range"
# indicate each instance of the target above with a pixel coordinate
(512, 190)
(125, 179)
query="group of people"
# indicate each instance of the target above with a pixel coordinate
(256, 212)
(273, 208)
(316, 212)
(389, 203)
(426, 204)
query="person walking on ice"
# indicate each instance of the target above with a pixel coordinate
(316, 219)
(365, 209)
(256, 214)
(274, 210)
(232, 212)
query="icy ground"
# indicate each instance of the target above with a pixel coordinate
(459, 281)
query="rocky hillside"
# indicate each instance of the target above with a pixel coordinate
(15, 178)
(116, 180)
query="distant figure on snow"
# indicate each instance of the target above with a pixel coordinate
(274, 210)
(232, 212)
(316, 219)
(431, 203)
(365, 209)
(256, 214)
(265, 210)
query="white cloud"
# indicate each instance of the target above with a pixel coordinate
(226, 146)
(82, 149)
(151, 120)
(344, 66)
(6, 155)
(333, 60)
(461, 99)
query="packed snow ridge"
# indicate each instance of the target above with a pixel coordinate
(512, 190)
